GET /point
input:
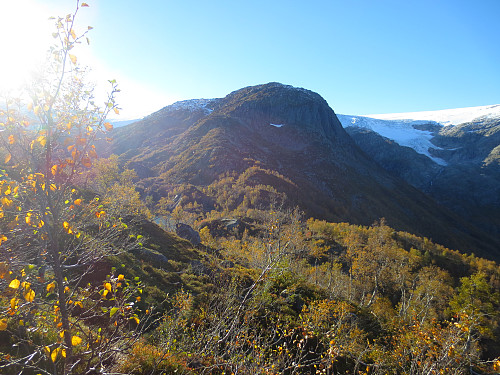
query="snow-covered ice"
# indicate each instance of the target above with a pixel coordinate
(446, 116)
(401, 132)
(400, 127)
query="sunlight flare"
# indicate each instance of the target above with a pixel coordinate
(24, 40)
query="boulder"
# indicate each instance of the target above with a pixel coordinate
(187, 232)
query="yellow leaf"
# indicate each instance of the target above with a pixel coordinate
(13, 303)
(121, 277)
(42, 140)
(84, 5)
(75, 340)
(7, 158)
(496, 365)
(6, 201)
(107, 286)
(47, 350)
(87, 162)
(67, 228)
(3, 324)
(11, 139)
(51, 286)
(53, 356)
(73, 34)
(108, 126)
(116, 111)
(63, 352)
(73, 58)
(78, 202)
(29, 296)
(14, 284)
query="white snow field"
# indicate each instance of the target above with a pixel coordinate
(400, 128)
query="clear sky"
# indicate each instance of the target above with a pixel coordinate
(362, 56)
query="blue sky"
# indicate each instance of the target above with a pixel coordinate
(362, 56)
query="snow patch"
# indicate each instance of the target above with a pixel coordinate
(447, 117)
(401, 132)
(277, 125)
(191, 105)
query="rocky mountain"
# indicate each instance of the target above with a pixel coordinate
(451, 155)
(278, 138)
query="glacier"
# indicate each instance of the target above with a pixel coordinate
(403, 128)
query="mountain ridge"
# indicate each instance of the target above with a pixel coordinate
(331, 178)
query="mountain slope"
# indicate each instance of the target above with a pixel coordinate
(296, 137)
(458, 165)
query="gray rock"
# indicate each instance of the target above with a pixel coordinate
(152, 256)
(185, 231)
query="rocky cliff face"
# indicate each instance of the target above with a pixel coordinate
(291, 133)
(282, 105)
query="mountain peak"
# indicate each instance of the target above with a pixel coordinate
(284, 105)
(275, 89)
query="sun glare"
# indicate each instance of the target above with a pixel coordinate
(24, 38)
